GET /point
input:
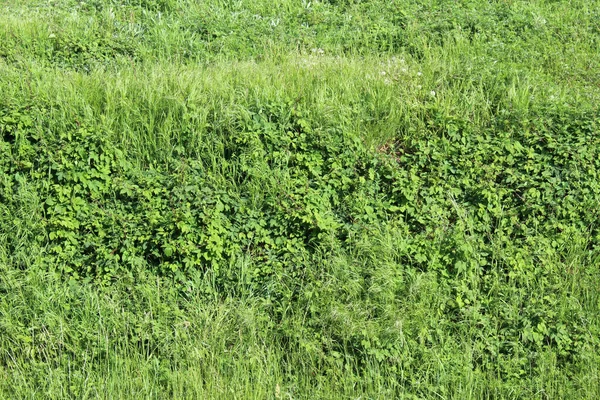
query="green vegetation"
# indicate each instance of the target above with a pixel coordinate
(329, 199)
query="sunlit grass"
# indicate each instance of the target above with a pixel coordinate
(418, 277)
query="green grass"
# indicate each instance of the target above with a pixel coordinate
(336, 199)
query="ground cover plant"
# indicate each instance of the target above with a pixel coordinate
(328, 199)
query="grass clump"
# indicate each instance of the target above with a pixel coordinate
(330, 200)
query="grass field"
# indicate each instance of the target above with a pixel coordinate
(336, 199)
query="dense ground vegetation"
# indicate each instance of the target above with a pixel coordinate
(327, 199)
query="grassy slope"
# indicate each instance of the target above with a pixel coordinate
(400, 199)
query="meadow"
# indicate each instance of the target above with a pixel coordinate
(336, 199)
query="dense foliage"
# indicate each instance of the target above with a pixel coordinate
(334, 199)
